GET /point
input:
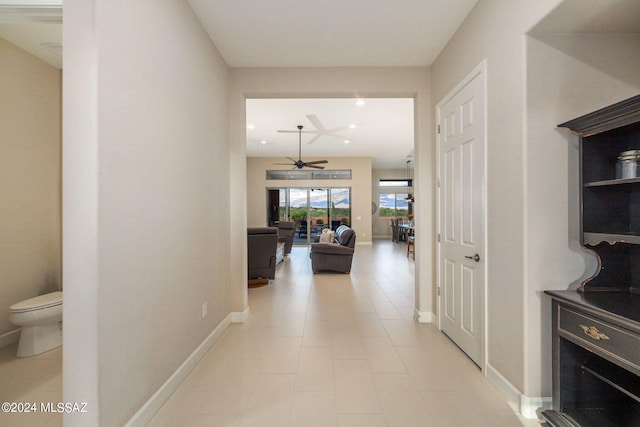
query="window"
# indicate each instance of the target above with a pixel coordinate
(395, 183)
(394, 198)
(312, 209)
(305, 174)
(393, 205)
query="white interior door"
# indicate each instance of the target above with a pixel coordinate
(461, 171)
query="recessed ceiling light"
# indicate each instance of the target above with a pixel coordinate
(352, 126)
(346, 141)
(360, 102)
(263, 142)
(251, 127)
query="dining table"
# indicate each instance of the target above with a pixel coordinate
(404, 230)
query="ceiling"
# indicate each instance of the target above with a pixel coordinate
(35, 26)
(380, 128)
(591, 17)
(334, 33)
(331, 33)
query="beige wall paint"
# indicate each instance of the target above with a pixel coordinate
(532, 169)
(97, 216)
(359, 184)
(30, 217)
(121, 140)
(146, 212)
(333, 83)
(589, 72)
(495, 31)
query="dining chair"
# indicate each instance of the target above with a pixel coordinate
(394, 230)
(411, 246)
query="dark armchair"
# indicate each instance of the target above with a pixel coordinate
(261, 252)
(286, 233)
(335, 256)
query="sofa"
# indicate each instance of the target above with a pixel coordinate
(286, 233)
(335, 256)
(261, 252)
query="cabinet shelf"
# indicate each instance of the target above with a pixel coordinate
(624, 383)
(593, 239)
(612, 182)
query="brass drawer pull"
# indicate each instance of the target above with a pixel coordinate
(594, 333)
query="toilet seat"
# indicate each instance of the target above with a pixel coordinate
(37, 303)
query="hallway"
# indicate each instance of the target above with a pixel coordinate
(337, 350)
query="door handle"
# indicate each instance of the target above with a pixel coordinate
(475, 257)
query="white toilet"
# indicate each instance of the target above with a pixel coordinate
(41, 321)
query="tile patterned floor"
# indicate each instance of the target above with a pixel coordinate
(30, 379)
(318, 350)
(337, 350)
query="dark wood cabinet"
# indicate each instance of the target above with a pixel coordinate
(596, 359)
(596, 329)
(610, 224)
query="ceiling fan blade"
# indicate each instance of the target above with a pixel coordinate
(315, 121)
(287, 164)
(294, 131)
(312, 140)
(321, 130)
(315, 162)
(332, 132)
(293, 160)
(313, 166)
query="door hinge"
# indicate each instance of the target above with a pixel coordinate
(438, 290)
(438, 183)
(438, 237)
(438, 128)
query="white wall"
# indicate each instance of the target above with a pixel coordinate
(30, 217)
(590, 71)
(359, 184)
(335, 83)
(145, 200)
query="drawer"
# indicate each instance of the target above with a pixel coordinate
(619, 345)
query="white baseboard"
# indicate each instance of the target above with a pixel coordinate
(240, 316)
(530, 406)
(503, 385)
(423, 316)
(9, 338)
(364, 243)
(527, 406)
(155, 402)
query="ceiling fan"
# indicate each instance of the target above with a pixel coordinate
(299, 163)
(320, 129)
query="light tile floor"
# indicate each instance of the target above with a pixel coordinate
(318, 350)
(36, 379)
(337, 350)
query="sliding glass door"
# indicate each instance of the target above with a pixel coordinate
(298, 212)
(319, 211)
(340, 207)
(312, 209)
